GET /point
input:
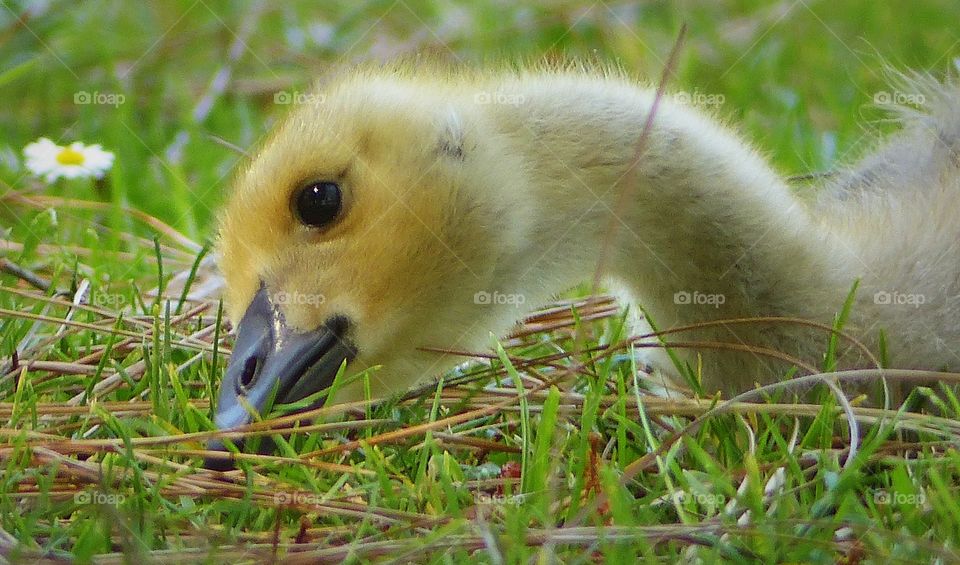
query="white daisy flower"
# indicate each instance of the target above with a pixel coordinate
(48, 160)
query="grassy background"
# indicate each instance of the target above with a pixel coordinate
(78, 478)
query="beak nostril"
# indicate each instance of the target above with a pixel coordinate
(249, 373)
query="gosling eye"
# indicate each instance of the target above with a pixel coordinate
(317, 203)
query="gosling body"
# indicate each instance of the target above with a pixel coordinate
(470, 199)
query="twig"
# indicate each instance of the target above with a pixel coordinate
(629, 179)
(25, 275)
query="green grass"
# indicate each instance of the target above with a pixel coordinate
(96, 409)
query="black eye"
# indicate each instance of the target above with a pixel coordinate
(317, 203)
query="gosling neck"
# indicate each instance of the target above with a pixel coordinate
(710, 231)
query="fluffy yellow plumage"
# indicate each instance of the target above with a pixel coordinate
(448, 186)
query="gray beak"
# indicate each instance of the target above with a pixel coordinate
(268, 357)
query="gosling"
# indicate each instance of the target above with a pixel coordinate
(406, 207)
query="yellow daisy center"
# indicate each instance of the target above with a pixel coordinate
(70, 157)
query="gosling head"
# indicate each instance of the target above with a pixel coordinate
(360, 232)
